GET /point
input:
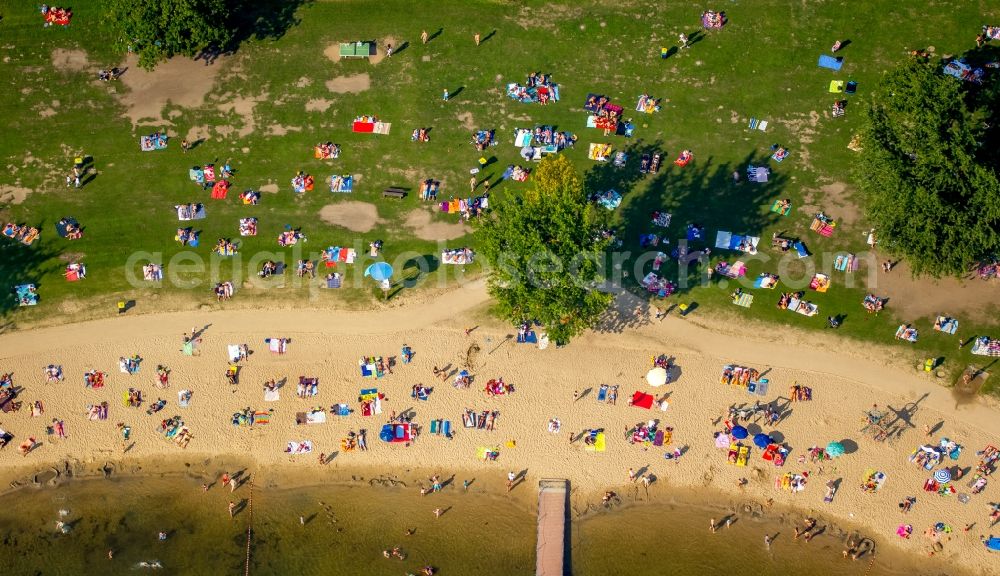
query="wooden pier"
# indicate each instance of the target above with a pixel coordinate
(551, 547)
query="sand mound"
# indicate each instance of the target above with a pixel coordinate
(180, 81)
(69, 60)
(355, 216)
(318, 105)
(14, 194)
(270, 188)
(349, 84)
(424, 228)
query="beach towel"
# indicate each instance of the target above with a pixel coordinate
(522, 138)
(276, 345)
(602, 394)
(823, 228)
(756, 124)
(316, 417)
(758, 388)
(261, 417)
(341, 410)
(183, 398)
(779, 208)
(434, 426)
(836, 86)
(846, 263)
(743, 299)
(599, 445)
(184, 212)
(800, 249)
(233, 351)
(446, 428)
(528, 337)
(642, 400)
(946, 324)
(658, 439)
(272, 395)
(304, 447)
(830, 62)
(344, 183)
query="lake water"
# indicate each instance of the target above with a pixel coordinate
(338, 529)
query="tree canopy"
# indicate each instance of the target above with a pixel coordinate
(159, 29)
(931, 193)
(545, 253)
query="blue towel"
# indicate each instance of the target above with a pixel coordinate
(602, 395)
(830, 62)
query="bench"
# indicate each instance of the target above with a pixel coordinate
(394, 193)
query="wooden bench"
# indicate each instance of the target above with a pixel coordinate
(394, 193)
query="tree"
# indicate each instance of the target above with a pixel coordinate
(545, 253)
(929, 195)
(159, 29)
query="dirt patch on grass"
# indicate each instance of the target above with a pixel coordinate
(349, 84)
(467, 121)
(836, 194)
(355, 216)
(196, 133)
(180, 81)
(280, 130)
(332, 52)
(379, 54)
(922, 298)
(243, 107)
(14, 194)
(318, 105)
(270, 188)
(70, 60)
(425, 228)
(303, 82)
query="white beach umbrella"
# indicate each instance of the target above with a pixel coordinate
(657, 377)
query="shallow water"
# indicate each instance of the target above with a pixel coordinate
(342, 529)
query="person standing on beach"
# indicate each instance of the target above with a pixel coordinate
(322, 458)
(476, 38)
(767, 541)
(225, 478)
(465, 485)
(423, 37)
(711, 525)
(232, 509)
(510, 480)
(631, 475)
(438, 512)
(232, 484)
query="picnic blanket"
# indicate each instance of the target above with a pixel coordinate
(272, 395)
(730, 241)
(183, 398)
(986, 346)
(831, 62)
(311, 417)
(846, 263)
(819, 283)
(610, 199)
(756, 124)
(823, 227)
(335, 254)
(744, 299)
(803, 307)
(757, 173)
(599, 152)
(343, 183)
(946, 324)
(26, 295)
(836, 86)
(780, 208)
(800, 249)
(185, 212)
(152, 142)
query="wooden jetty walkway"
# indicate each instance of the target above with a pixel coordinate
(551, 547)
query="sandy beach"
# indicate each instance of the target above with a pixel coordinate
(846, 380)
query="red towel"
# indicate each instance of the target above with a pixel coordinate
(364, 126)
(642, 400)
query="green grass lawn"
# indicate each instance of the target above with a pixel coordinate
(762, 64)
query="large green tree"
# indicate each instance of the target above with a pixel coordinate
(930, 192)
(545, 253)
(159, 29)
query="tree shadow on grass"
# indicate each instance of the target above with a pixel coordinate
(701, 193)
(20, 264)
(262, 20)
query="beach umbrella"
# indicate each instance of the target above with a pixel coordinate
(761, 440)
(656, 377)
(722, 441)
(941, 476)
(379, 271)
(739, 432)
(834, 449)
